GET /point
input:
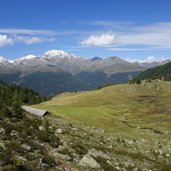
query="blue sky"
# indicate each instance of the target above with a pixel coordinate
(129, 29)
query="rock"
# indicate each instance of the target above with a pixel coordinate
(117, 168)
(61, 156)
(26, 147)
(2, 145)
(42, 128)
(75, 129)
(167, 155)
(19, 160)
(109, 162)
(98, 153)
(50, 127)
(2, 131)
(88, 161)
(59, 131)
(110, 147)
(135, 169)
(22, 158)
(14, 133)
(159, 151)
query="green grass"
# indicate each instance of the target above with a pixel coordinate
(144, 106)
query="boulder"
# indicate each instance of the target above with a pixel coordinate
(26, 147)
(88, 161)
(14, 133)
(22, 158)
(2, 131)
(42, 128)
(59, 131)
(98, 153)
(2, 145)
(61, 156)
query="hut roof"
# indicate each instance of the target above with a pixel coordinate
(38, 112)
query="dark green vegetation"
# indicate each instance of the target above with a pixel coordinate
(162, 72)
(13, 93)
(20, 133)
(51, 83)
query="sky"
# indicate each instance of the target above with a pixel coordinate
(130, 29)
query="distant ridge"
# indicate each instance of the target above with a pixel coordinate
(56, 71)
(162, 72)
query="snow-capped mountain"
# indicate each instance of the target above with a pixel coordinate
(3, 61)
(59, 54)
(154, 63)
(25, 58)
(150, 61)
(58, 60)
(57, 70)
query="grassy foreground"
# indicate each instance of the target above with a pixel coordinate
(124, 109)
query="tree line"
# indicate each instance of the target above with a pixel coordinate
(12, 97)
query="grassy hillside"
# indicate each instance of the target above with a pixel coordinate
(127, 110)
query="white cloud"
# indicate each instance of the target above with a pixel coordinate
(128, 49)
(28, 40)
(100, 40)
(157, 36)
(32, 40)
(106, 23)
(5, 40)
(154, 36)
(10, 40)
(29, 32)
(26, 36)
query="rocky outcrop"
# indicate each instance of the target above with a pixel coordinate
(88, 161)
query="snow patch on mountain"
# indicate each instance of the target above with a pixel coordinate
(24, 58)
(58, 54)
(3, 60)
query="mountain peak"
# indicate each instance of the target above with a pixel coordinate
(3, 60)
(54, 52)
(96, 58)
(27, 57)
(59, 54)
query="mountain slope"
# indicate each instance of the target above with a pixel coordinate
(162, 72)
(50, 83)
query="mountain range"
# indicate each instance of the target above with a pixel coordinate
(56, 71)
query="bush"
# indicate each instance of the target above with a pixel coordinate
(49, 160)
(17, 110)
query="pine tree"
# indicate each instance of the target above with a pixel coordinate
(16, 107)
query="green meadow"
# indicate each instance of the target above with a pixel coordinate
(130, 110)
